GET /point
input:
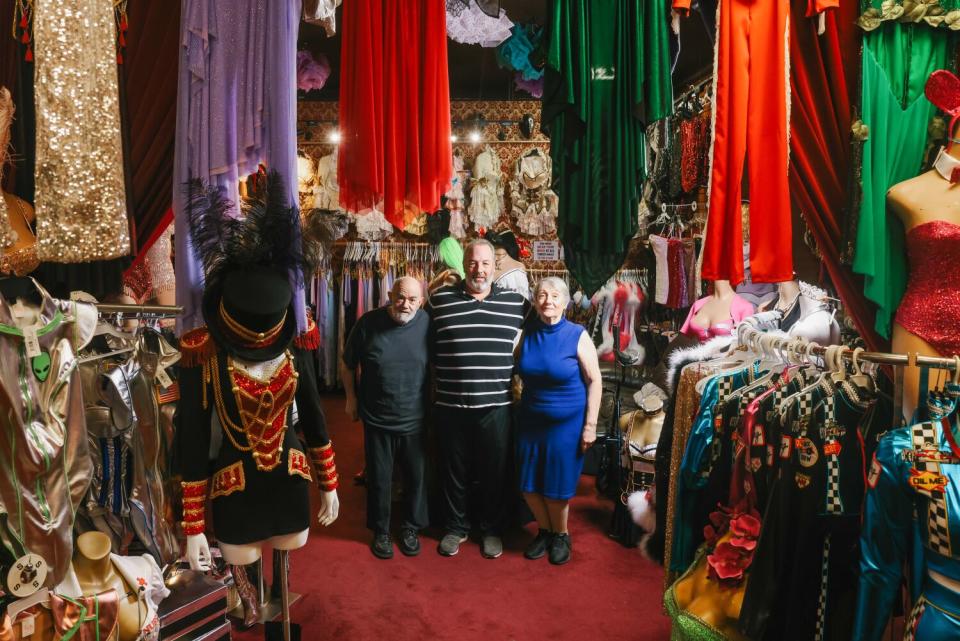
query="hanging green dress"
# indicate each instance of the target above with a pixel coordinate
(898, 57)
(607, 76)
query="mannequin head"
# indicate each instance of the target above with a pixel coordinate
(93, 545)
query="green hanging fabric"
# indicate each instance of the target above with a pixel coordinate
(607, 76)
(897, 60)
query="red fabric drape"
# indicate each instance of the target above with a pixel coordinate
(394, 107)
(823, 75)
(150, 89)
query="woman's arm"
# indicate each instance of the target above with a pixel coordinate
(590, 367)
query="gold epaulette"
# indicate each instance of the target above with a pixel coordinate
(196, 347)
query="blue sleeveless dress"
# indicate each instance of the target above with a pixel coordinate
(552, 410)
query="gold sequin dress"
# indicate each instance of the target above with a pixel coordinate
(80, 199)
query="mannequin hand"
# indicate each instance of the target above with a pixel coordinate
(588, 437)
(329, 508)
(198, 552)
(351, 409)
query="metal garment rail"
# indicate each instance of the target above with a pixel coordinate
(152, 310)
(749, 335)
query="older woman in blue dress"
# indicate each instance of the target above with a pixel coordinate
(557, 420)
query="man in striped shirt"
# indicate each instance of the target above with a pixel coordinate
(475, 328)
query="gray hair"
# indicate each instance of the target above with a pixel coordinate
(555, 283)
(479, 242)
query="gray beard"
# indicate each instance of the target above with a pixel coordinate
(400, 317)
(478, 288)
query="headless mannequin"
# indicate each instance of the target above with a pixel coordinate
(96, 574)
(787, 292)
(504, 263)
(644, 426)
(923, 199)
(717, 308)
(198, 548)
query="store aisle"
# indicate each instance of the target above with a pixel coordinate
(606, 591)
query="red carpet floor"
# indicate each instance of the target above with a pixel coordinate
(606, 592)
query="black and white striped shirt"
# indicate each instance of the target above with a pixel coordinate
(472, 344)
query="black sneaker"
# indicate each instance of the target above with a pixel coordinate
(538, 547)
(382, 546)
(560, 549)
(409, 542)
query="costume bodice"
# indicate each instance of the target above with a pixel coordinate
(930, 308)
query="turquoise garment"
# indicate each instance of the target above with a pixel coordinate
(607, 76)
(897, 60)
(514, 52)
(892, 534)
(694, 472)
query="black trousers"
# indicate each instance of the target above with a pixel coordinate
(474, 443)
(382, 448)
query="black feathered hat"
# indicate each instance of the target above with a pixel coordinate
(505, 240)
(248, 262)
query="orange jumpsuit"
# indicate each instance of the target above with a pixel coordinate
(751, 106)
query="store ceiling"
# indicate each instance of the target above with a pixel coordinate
(475, 75)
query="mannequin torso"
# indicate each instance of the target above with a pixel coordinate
(717, 307)
(917, 202)
(96, 574)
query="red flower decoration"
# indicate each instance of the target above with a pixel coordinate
(745, 525)
(727, 562)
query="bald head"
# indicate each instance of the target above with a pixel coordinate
(405, 299)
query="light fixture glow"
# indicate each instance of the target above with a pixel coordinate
(334, 137)
(474, 137)
(453, 138)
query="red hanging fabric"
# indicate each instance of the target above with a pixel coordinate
(823, 75)
(394, 108)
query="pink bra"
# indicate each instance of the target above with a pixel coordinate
(703, 334)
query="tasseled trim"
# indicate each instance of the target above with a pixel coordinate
(196, 347)
(310, 339)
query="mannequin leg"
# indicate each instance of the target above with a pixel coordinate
(247, 553)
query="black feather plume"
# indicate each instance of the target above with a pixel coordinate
(265, 235)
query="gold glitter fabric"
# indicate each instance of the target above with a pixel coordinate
(687, 406)
(6, 117)
(80, 202)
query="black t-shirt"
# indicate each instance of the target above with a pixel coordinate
(393, 369)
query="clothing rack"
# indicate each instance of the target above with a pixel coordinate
(154, 311)
(748, 336)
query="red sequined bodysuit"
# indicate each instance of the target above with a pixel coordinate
(930, 308)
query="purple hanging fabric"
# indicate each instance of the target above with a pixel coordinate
(235, 107)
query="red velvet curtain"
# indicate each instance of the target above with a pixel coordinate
(150, 82)
(824, 72)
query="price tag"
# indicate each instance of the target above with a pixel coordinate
(163, 378)
(29, 626)
(31, 341)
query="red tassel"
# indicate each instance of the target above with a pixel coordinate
(23, 20)
(123, 41)
(29, 55)
(119, 58)
(123, 23)
(25, 38)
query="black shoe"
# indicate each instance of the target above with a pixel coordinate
(382, 546)
(409, 542)
(560, 549)
(538, 547)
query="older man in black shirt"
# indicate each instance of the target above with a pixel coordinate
(389, 345)
(475, 327)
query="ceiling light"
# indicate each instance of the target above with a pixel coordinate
(334, 137)
(453, 138)
(474, 137)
